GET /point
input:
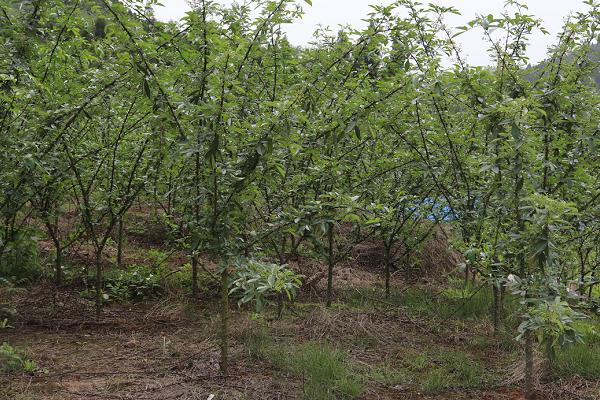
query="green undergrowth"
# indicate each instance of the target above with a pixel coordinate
(434, 371)
(467, 302)
(14, 360)
(582, 359)
(138, 282)
(453, 302)
(324, 370)
(392, 376)
(328, 373)
(441, 370)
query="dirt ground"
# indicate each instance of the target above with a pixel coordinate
(168, 350)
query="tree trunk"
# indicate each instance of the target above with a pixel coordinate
(169, 194)
(58, 267)
(529, 392)
(224, 333)
(194, 276)
(330, 263)
(550, 354)
(280, 305)
(120, 243)
(502, 291)
(496, 308)
(57, 277)
(98, 284)
(294, 247)
(387, 270)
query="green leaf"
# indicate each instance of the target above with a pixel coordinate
(351, 125)
(516, 133)
(147, 89)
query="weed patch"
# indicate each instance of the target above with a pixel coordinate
(387, 375)
(13, 359)
(324, 370)
(443, 370)
(581, 359)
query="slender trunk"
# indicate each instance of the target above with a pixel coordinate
(57, 277)
(169, 194)
(583, 261)
(58, 267)
(283, 249)
(173, 200)
(496, 308)
(98, 284)
(529, 392)
(330, 263)
(550, 354)
(279, 306)
(194, 276)
(120, 243)
(502, 291)
(591, 287)
(294, 247)
(223, 365)
(520, 222)
(388, 266)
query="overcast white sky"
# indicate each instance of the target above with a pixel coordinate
(333, 13)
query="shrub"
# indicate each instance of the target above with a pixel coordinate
(182, 280)
(13, 359)
(137, 282)
(264, 283)
(19, 262)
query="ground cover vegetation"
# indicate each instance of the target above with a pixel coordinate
(203, 210)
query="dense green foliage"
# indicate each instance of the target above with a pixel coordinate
(247, 146)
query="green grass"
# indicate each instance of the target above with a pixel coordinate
(465, 371)
(419, 301)
(325, 371)
(468, 302)
(581, 359)
(505, 341)
(456, 302)
(436, 381)
(443, 369)
(387, 375)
